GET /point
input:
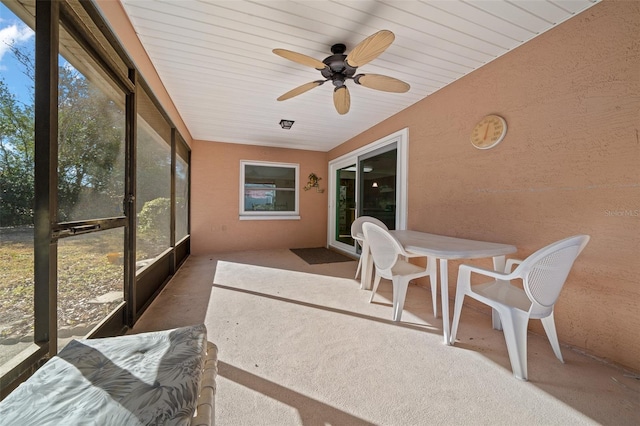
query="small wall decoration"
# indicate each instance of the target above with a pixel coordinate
(314, 182)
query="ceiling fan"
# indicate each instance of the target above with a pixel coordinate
(338, 68)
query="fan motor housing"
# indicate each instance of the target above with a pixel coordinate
(337, 68)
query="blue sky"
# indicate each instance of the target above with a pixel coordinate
(14, 32)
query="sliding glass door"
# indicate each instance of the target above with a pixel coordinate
(368, 182)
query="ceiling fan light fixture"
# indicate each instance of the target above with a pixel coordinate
(286, 124)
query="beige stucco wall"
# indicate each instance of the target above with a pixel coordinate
(570, 164)
(215, 183)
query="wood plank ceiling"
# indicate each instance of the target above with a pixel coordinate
(215, 58)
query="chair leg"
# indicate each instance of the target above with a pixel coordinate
(550, 328)
(457, 311)
(433, 280)
(400, 286)
(358, 268)
(367, 267)
(376, 281)
(514, 326)
(495, 320)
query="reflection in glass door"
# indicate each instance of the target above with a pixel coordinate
(345, 203)
(378, 185)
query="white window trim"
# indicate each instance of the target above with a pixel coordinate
(269, 215)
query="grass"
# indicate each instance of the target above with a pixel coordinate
(89, 266)
(16, 286)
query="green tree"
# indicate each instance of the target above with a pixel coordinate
(91, 141)
(90, 136)
(153, 163)
(154, 220)
(16, 160)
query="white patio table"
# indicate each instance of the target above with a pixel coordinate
(443, 248)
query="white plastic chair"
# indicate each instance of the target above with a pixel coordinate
(357, 235)
(543, 274)
(389, 263)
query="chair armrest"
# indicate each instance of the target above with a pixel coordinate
(468, 269)
(412, 255)
(508, 267)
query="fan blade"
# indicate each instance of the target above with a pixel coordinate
(300, 89)
(382, 82)
(369, 48)
(341, 99)
(300, 58)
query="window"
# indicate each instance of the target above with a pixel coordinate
(182, 198)
(268, 190)
(91, 139)
(90, 189)
(153, 182)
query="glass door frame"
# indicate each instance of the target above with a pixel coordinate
(401, 139)
(333, 201)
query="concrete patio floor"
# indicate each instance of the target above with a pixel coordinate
(299, 344)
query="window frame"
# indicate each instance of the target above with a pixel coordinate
(262, 214)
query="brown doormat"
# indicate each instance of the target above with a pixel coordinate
(317, 255)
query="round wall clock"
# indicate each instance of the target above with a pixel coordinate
(489, 132)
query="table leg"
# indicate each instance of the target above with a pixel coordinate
(444, 290)
(498, 265)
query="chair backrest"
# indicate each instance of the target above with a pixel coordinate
(384, 248)
(545, 271)
(356, 226)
